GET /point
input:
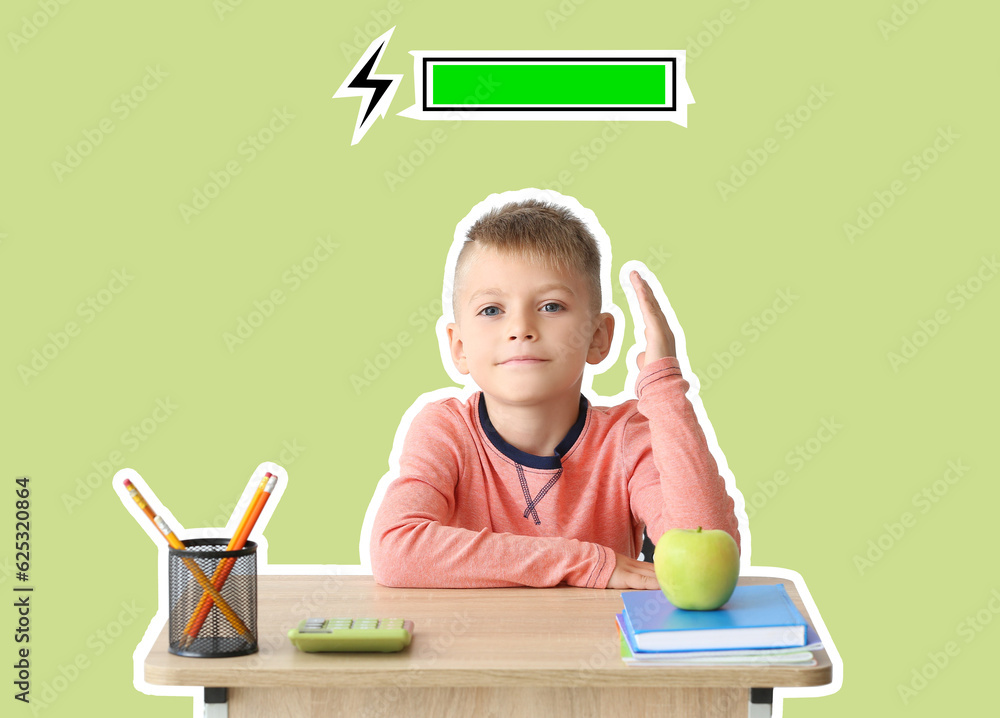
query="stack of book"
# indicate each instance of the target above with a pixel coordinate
(758, 624)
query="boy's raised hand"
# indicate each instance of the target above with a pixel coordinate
(632, 574)
(659, 338)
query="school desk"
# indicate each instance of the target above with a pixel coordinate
(475, 652)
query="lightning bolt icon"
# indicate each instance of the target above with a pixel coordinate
(376, 91)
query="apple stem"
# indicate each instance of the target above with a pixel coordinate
(699, 529)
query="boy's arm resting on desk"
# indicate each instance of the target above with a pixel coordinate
(675, 482)
(413, 550)
(412, 545)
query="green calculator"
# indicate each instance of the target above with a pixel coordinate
(323, 635)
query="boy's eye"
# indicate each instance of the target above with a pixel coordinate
(552, 307)
(490, 311)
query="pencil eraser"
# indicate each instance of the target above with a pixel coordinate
(126, 483)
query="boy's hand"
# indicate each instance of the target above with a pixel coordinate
(631, 574)
(659, 338)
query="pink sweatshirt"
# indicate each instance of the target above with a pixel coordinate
(469, 510)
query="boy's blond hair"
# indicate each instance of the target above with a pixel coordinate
(542, 233)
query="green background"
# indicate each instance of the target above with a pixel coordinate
(655, 190)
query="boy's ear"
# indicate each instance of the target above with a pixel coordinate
(457, 348)
(600, 343)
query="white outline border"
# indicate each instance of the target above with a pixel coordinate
(159, 620)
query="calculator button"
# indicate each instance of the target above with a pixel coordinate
(391, 623)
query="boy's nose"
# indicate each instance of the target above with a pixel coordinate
(522, 326)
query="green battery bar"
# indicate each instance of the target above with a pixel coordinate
(556, 84)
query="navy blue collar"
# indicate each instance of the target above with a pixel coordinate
(523, 457)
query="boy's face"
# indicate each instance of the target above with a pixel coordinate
(524, 332)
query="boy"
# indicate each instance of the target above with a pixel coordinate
(525, 483)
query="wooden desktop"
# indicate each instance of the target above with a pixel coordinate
(475, 652)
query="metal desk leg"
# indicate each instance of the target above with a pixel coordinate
(216, 703)
(760, 702)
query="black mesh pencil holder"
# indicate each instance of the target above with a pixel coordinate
(225, 631)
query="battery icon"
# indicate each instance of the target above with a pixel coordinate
(635, 85)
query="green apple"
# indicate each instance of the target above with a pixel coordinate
(697, 570)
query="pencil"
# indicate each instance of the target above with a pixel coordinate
(193, 567)
(246, 514)
(226, 566)
(134, 493)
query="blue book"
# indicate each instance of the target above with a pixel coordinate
(754, 617)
